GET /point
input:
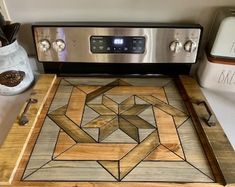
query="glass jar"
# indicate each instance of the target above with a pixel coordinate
(15, 72)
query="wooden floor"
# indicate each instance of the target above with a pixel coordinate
(104, 130)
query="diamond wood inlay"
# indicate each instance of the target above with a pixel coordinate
(118, 130)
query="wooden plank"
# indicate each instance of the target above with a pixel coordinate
(166, 172)
(167, 132)
(63, 143)
(113, 184)
(12, 149)
(112, 167)
(194, 153)
(162, 105)
(162, 153)
(136, 155)
(218, 148)
(74, 131)
(76, 106)
(96, 151)
(88, 88)
(136, 90)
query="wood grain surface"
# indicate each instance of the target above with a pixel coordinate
(12, 149)
(216, 145)
(123, 132)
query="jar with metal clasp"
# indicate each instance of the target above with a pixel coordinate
(15, 72)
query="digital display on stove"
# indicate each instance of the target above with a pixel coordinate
(118, 41)
(117, 44)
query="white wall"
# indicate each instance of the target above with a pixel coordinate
(194, 11)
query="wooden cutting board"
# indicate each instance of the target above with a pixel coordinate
(124, 132)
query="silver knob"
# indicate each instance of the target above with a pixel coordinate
(44, 45)
(190, 46)
(175, 46)
(59, 45)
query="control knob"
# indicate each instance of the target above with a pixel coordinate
(44, 45)
(190, 46)
(59, 45)
(175, 46)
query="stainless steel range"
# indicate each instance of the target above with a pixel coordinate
(117, 48)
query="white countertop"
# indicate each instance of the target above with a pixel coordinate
(223, 105)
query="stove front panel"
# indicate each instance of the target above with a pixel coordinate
(108, 43)
(117, 130)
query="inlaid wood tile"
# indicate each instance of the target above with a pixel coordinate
(63, 143)
(74, 110)
(135, 90)
(88, 88)
(112, 167)
(108, 129)
(99, 121)
(194, 152)
(96, 151)
(74, 131)
(138, 122)
(166, 171)
(162, 153)
(44, 147)
(109, 103)
(162, 105)
(62, 95)
(71, 171)
(136, 155)
(101, 109)
(130, 129)
(167, 132)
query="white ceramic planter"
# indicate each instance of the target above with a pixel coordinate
(15, 71)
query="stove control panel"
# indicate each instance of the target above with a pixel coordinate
(117, 43)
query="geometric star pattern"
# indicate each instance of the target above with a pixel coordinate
(116, 131)
(114, 116)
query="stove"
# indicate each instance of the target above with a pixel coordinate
(117, 48)
(119, 113)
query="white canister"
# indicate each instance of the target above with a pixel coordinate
(216, 74)
(15, 72)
